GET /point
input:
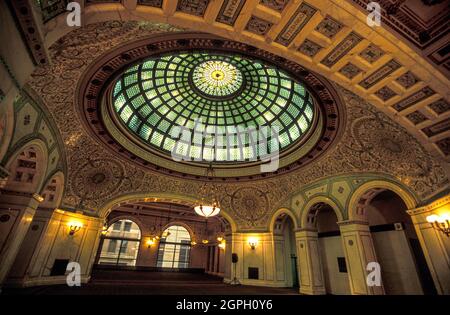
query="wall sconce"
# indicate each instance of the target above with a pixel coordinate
(104, 230)
(205, 241)
(150, 242)
(219, 239)
(74, 226)
(440, 222)
(252, 242)
(222, 244)
(193, 243)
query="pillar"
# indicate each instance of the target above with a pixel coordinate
(309, 262)
(359, 251)
(16, 213)
(435, 244)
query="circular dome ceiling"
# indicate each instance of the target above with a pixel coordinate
(216, 99)
(141, 99)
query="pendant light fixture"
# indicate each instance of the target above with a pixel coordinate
(209, 191)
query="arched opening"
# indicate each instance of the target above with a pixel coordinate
(323, 218)
(331, 251)
(121, 244)
(27, 170)
(285, 250)
(172, 239)
(403, 266)
(174, 248)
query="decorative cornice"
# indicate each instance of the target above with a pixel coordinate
(430, 207)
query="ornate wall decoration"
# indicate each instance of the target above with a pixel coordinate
(97, 178)
(258, 26)
(371, 53)
(303, 14)
(309, 48)
(195, 7)
(380, 74)
(250, 205)
(413, 99)
(371, 142)
(347, 44)
(229, 11)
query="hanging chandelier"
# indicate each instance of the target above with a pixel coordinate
(206, 208)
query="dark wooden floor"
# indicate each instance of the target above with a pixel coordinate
(106, 282)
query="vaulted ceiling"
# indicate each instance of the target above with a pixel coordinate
(400, 67)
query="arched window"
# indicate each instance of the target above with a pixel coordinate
(174, 248)
(121, 244)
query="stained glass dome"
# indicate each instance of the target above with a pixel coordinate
(216, 93)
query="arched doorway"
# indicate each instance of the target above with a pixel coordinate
(173, 238)
(331, 250)
(286, 257)
(174, 248)
(321, 217)
(121, 244)
(403, 266)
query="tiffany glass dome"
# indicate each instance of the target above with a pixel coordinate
(214, 99)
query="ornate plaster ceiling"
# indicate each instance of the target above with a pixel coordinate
(371, 142)
(405, 76)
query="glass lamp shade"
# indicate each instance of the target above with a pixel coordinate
(207, 211)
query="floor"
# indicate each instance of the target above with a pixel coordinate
(151, 283)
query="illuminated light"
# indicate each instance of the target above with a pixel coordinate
(38, 197)
(440, 222)
(432, 218)
(252, 242)
(74, 226)
(104, 229)
(220, 239)
(205, 241)
(217, 78)
(207, 211)
(222, 244)
(150, 242)
(193, 243)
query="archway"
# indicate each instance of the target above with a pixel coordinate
(283, 227)
(173, 237)
(403, 266)
(322, 215)
(121, 243)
